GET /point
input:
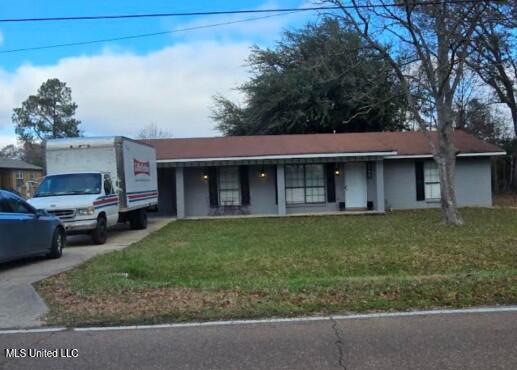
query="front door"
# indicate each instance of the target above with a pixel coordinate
(355, 185)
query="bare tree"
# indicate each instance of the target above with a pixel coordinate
(493, 53)
(152, 131)
(10, 152)
(426, 44)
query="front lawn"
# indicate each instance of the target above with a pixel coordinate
(262, 267)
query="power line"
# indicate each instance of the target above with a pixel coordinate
(157, 15)
(280, 12)
(227, 12)
(141, 35)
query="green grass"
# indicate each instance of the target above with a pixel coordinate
(215, 269)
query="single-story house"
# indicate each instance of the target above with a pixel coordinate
(314, 173)
(19, 176)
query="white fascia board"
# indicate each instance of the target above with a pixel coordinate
(409, 156)
(294, 156)
(484, 154)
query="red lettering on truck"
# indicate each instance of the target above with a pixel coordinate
(141, 167)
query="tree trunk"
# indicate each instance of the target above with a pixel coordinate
(445, 156)
(447, 166)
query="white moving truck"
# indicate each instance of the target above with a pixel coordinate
(94, 183)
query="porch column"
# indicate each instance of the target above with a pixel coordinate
(280, 186)
(180, 193)
(379, 181)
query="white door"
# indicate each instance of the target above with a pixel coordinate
(355, 185)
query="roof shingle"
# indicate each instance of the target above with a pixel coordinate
(17, 164)
(404, 143)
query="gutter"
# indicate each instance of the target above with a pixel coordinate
(479, 154)
(290, 156)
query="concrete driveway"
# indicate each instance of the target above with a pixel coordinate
(21, 306)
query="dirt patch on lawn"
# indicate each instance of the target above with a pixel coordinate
(136, 305)
(176, 304)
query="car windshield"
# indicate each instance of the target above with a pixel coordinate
(71, 184)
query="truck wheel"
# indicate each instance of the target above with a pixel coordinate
(138, 220)
(100, 234)
(58, 243)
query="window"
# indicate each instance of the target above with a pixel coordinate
(16, 205)
(72, 184)
(19, 175)
(304, 184)
(229, 186)
(108, 188)
(431, 180)
(4, 207)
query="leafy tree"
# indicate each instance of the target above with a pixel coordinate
(478, 118)
(321, 78)
(47, 115)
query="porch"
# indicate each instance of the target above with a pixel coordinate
(248, 188)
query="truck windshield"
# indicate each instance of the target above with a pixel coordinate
(70, 184)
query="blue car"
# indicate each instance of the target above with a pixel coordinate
(27, 232)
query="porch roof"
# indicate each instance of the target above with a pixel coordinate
(310, 146)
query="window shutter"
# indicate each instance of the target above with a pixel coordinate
(212, 187)
(419, 178)
(245, 185)
(276, 185)
(331, 183)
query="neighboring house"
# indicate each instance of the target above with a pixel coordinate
(314, 173)
(19, 176)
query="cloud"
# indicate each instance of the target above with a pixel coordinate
(121, 92)
(262, 27)
(6, 140)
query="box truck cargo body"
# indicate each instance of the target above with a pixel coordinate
(93, 183)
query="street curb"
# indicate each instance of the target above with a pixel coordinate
(474, 310)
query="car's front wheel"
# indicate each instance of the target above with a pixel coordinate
(58, 243)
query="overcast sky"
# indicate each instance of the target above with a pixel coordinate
(123, 86)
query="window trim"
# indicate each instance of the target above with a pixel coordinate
(305, 186)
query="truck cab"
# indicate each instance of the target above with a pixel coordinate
(86, 202)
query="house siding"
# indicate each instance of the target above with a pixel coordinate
(27, 186)
(473, 184)
(397, 176)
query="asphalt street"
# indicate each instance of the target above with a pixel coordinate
(450, 341)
